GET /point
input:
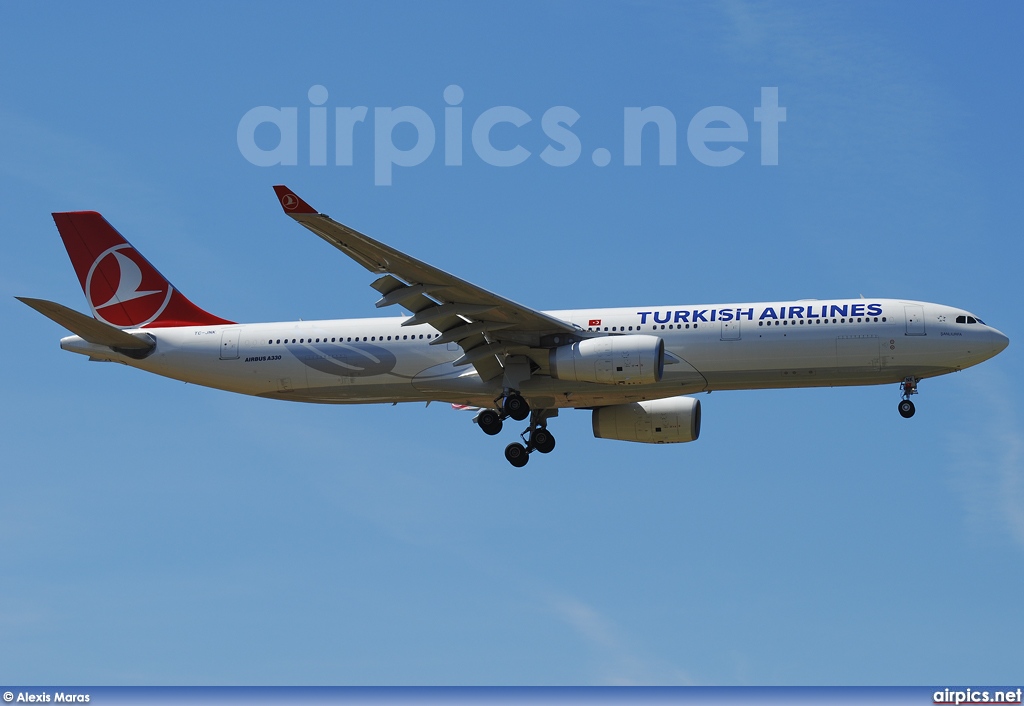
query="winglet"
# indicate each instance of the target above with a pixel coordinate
(290, 202)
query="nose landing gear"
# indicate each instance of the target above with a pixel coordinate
(908, 387)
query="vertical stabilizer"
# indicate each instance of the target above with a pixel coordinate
(122, 288)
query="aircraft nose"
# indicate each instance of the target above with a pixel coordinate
(999, 341)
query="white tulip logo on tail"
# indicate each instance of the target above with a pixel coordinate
(122, 288)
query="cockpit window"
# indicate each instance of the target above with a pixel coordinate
(962, 319)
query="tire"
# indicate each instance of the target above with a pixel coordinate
(516, 407)
(515, 453)
(489, 421)
(906, 408)
(543, 441)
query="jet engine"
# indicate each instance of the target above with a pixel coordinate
(610, 360)
(669, 421)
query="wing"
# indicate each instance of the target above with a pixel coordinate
(486, 326)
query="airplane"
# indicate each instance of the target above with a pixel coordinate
(636, 368)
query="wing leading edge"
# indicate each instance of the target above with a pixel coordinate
(486, 326)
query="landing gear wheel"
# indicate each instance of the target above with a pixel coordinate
(489, 421)
(515, 406)
(906, 408)
(516, 454)
(543, 441)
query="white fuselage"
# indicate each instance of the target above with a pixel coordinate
(712, 347)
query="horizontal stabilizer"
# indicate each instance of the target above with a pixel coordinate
(89, 328)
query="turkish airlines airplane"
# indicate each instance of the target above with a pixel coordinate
(633, 367)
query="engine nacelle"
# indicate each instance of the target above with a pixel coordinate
(611, 360)
(670, 421)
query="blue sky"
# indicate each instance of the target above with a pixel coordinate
(158, 533)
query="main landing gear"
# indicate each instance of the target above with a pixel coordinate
(535, 438)
(515, 406)
(908, 387)
(512, 405)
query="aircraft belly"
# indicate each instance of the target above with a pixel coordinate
(361, 393)
(542, 391)
(767, 361)
(457, 384)
(232, 375)
(799, 360)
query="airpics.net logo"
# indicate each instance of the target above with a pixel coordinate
(716, 136)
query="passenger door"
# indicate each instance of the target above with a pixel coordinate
(915, 320)
(229, 344)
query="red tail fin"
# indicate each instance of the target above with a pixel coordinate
(122, 288)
